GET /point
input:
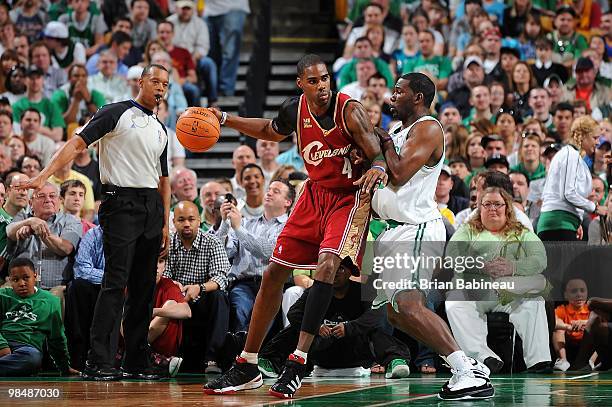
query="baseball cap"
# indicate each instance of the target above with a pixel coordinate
(479, 2)
(603, 143)
(552, 148)
(458, 159)
(497, 159)
(447, 105)
(566, 9)
(184, 3)
(348, 263)
(492, 31)
(553, 77)
(135, 72)
(472, 60)
(55, 29)
(584, 64)
(447, 170)
(34, 70)
(488, 138)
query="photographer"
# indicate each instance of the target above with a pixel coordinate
(250, 244)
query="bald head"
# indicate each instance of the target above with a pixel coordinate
(209, 192)
(186, 220)
(242, 156)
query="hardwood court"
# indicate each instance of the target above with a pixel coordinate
(592, 389)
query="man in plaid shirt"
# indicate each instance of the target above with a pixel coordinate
(197, 261)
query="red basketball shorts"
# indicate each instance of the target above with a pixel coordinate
(323, 221)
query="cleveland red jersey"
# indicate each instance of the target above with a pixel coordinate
(326, 152)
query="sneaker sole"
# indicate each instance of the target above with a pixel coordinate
(93, 378)
(252, 385)
(399, 372)
(281, 395)
(174, 366)
(480, 394)
(267, 373)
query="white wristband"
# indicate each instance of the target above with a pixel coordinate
(223, 118)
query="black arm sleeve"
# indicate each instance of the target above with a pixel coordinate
(163, 160)
(103, 122)
(284, 123)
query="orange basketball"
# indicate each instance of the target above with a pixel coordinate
(198, 129)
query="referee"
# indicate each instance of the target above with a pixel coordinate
(134, 218)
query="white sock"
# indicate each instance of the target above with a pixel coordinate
(250, 357)
(459, 361)
(301, 354)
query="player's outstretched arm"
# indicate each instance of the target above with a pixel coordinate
(254, 127)
(415, 153)
(358, 123)
(67, 153)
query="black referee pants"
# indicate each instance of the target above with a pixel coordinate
(132, 222)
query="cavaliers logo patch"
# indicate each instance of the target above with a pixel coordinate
(306, 123)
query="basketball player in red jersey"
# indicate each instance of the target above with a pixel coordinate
(328, 223)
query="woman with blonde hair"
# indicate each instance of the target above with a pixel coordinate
(456, 139)
(568, 184)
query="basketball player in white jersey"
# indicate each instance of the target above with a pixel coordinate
(414, 152)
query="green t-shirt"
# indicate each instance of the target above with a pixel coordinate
(62, 101)
(558, 220)
(573, 45)
(471, 175)
(439, 66)
(5, 219)
(51, 114)
(348, 73)
(539, 173)
(32, 321)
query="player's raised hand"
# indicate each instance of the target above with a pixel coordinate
(33, 183)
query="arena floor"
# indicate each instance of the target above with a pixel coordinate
(593, 389)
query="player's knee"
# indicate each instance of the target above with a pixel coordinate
(326, 270)
(275, 275)
(409, 306)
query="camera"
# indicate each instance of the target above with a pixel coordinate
(230, 198)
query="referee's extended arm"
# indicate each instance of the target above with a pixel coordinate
(68, 152)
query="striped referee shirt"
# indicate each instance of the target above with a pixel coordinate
(133, 145)
(205, 261)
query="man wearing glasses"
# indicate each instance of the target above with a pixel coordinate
(46, 235)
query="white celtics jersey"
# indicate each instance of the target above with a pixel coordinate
(413, 202)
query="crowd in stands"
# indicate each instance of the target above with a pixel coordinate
(519, 86)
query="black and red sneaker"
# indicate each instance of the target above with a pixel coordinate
(291, 379)
(242, 376)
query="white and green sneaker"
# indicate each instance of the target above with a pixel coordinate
(266, 368)
(397, 369)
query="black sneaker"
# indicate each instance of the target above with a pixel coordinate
(147, 373)
(495, 365)
(93, 372)
(242, 376)
(291, 378)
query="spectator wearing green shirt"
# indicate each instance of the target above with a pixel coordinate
(529, 157)
(52, 123)
(29, 318)
(439, 66)
(75, 99)
(480, 100)
(568, 44)
(363, 50)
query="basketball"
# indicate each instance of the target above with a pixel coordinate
(198, 129)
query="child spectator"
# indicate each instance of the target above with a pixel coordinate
(166, 329)
(571, 321)
(29, 317)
